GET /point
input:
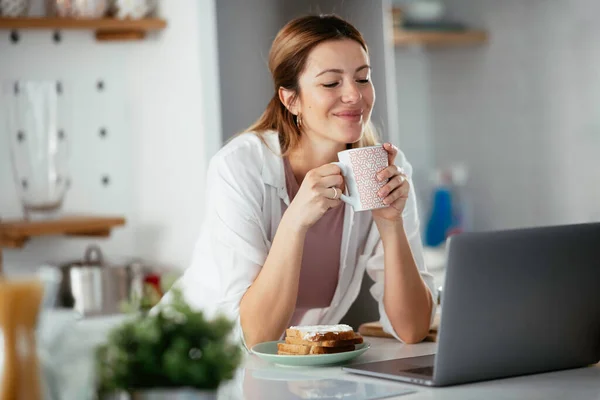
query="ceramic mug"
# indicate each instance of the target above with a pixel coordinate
(360, 168)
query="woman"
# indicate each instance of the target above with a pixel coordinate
(278, 247)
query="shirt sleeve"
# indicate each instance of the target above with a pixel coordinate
(375, 261)
(232, 246)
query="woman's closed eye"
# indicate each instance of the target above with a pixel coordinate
(334, 84)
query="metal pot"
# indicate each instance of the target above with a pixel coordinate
(93, 287)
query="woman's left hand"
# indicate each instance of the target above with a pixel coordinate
(395, 192)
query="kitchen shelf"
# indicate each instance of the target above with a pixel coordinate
(438, 38)
(105, 28)
(15, 233)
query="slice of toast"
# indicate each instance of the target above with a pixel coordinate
(319, 333)
(358, 339)
(292, 349)
(302, 350)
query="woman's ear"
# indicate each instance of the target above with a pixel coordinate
(289, 99)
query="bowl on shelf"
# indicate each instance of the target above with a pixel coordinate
(77, 8)
(424, 10)
(14, 8)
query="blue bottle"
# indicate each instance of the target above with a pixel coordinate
(441, 218)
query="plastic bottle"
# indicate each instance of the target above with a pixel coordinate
(441, 218)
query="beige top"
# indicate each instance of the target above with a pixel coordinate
(321, 258)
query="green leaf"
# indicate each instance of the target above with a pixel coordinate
(175, 347)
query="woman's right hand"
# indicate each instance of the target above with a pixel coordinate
(315, 196)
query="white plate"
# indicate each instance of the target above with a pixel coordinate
(268, 351)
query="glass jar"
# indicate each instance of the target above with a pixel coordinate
(38, 145)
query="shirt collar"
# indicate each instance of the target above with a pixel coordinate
(273, 173)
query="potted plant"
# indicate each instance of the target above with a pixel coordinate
(175, 353)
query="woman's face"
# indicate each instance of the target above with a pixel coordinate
(336, 93)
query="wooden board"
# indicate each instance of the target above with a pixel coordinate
(375, 329)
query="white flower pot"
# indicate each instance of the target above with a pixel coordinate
(174, 394)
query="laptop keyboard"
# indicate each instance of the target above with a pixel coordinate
(426, 371)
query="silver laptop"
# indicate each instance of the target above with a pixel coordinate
(515, 302)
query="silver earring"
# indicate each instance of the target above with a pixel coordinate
(299, 120)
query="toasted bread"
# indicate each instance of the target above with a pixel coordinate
(301, 350)
(358, 339)
(292, 349)
(319, 333)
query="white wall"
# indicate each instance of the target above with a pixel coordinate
(246, 29)
(161, 129)
(521, 111)
(415, 136)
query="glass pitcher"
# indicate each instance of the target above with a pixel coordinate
(38, 145)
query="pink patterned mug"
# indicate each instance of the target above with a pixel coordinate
(360, 167)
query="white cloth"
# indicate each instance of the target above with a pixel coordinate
(66, 347)
(245, 186)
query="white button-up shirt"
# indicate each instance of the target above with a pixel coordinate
(245, 186)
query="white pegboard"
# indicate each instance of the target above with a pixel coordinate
(95, 101)
(160, 111)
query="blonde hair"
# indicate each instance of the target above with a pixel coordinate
(287, 59)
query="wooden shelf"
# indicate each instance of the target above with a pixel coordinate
(439, 39)
(14, 234)
(105, 28)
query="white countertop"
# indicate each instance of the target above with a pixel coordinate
(261, 380)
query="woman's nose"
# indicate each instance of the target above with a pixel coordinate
(351, 93)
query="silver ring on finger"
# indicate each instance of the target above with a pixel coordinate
(335, 193)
